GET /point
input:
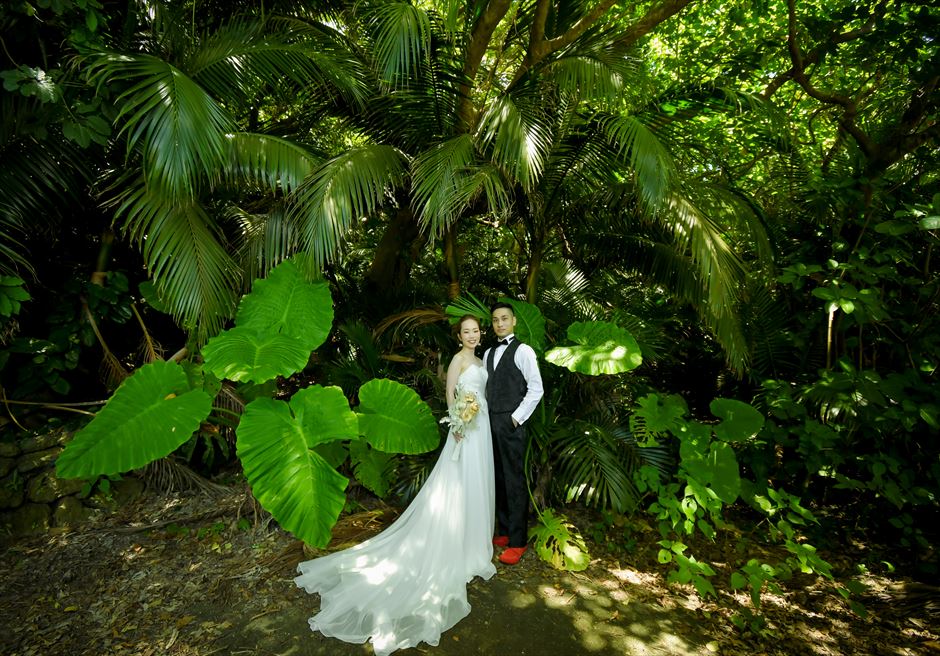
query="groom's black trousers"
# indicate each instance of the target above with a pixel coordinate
(512, 497)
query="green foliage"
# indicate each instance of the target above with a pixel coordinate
(150, 415)
(393, 418)
(46, 361)
(708, 481)
(12, 294)
(687, 570)
(601, 348)
(283, 446)
(558, 543)
(530, 323)
(277, 326)
(286, 475)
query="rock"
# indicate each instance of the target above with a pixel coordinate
(127, 489)
(70, 512)
(6, 466)
(32, 461)
(121, 492)
(43, 442)
(9, 450)
(11, 491)
(48, 487)
(30, 518)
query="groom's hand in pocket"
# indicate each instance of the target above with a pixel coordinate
(515, 424)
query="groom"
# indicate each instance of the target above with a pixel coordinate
(513, 389)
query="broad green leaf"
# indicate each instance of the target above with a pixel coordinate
(530, 324)
(894, 227)
(371, 467)
(601, 348)
(740, 421)
(290, 480)
(285, 303)
(394, 419)
(725, 475)
(151, 414)
(930, 223)
(243, 354)
(659, 415)
(324, 414)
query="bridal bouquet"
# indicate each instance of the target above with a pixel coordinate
(461, 414)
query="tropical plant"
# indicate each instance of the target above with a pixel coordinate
(160, 406)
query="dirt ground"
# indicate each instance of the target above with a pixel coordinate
(194, 575)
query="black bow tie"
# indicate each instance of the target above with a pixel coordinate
(502, 342)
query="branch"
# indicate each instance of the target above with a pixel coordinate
(479, 40)
(540, 47)
(849, 107)
(813, 56)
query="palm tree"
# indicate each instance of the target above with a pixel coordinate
(200, 196)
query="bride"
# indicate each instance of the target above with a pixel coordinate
(408, 584)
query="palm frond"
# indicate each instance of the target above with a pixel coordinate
(341, 192)
(264, 240)
(649, 160)
(446, 181)
(518, 138)
(245, 52)
(194, 275)
(179, 127)
(402, 35)
(278, 163)
(595, 466)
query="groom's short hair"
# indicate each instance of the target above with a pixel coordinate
(500, 306)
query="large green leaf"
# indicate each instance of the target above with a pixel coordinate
(324, 414)
(740, 420)
(394, 419)
(530, 323)
(244, 354)
(600, 348)
(371, 467)
(285, 303)
(151, 414)
(289, 479)
(725, 474)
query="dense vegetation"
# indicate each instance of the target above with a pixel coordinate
(716, 220)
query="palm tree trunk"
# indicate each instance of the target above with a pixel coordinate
(396, 253)
(450, 260)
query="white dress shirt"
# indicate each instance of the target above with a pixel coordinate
(528, 364)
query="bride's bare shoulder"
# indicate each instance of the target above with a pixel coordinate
(459, 362)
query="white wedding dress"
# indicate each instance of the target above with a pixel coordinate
(408, 584)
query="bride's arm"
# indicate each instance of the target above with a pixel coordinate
(453, 373)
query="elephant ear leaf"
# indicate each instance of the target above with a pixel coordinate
(285, 303)
(600, 348)
(242, 354)
(740, 421)
(394, 419)
(530, 323)
(151, 414)
(290, 479)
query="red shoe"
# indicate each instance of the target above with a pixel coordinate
(501, 540)
(512, 555)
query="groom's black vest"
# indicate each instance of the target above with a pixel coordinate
(505, 385)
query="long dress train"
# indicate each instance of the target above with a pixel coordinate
(408, 584)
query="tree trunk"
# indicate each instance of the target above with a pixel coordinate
(450, 260)
(396, 253)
